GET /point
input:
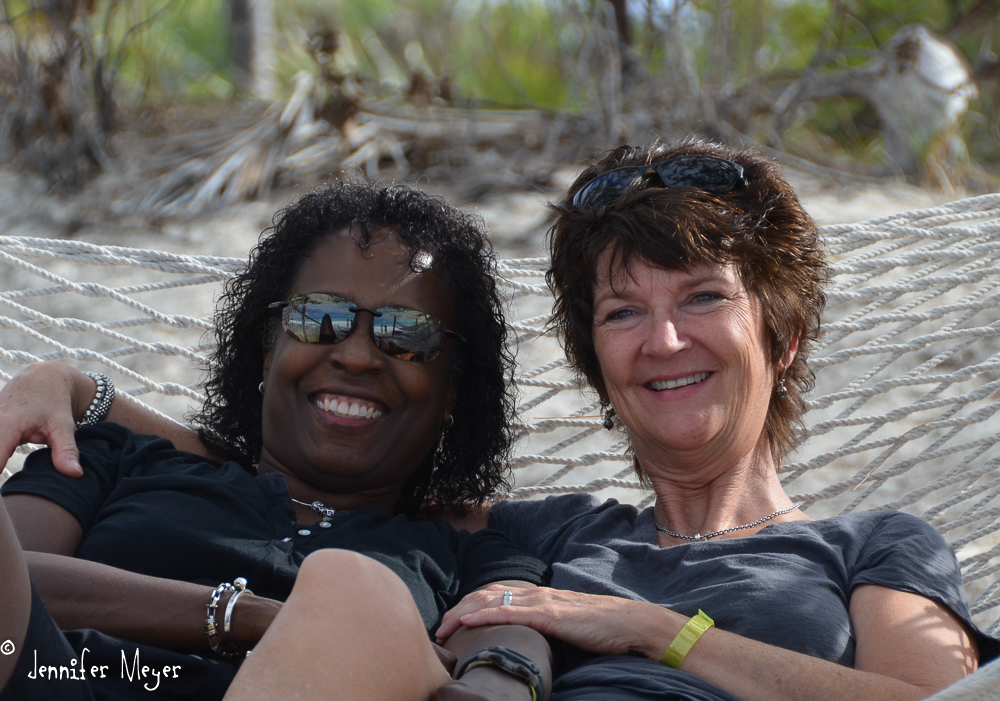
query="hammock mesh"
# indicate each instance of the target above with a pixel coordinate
(902, 417)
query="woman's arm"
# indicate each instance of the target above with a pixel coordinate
(151, 610)
(143, 609)
(490, 682)
(908, 647)
(42, 403)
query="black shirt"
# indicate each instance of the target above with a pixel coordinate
(149, 508)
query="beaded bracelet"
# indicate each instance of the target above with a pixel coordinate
(686, 638)
(238, 586)
(100, 405)
(506, 660)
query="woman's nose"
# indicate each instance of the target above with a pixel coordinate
(358, 353)
(664, 337)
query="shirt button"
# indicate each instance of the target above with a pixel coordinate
(305, 531)
(325, 524)
(285, 540)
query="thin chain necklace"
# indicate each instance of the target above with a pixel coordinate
(699, 536)
(318, 507)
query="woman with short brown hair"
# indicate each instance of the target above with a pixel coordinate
(688, 285)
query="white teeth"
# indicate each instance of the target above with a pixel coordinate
(679, 382)
(353, 411)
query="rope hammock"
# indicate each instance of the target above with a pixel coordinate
(902, 417)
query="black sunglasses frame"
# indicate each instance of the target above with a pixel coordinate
(354, 309)
(708, 173)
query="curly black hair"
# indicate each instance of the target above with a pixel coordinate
(470, 462)
(761, 229)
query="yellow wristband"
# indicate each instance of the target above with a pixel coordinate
(686, 639)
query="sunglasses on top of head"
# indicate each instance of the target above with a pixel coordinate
(405, 334)
(708, 173)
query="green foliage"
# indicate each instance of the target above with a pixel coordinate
(509, 54)
(533, 53)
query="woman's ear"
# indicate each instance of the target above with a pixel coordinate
(267, 367)
(790, 353)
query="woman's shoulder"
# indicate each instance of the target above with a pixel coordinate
(563, 511)
(874, 525)
(112, 447)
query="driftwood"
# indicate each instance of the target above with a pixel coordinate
(918, 84)
(290, 143)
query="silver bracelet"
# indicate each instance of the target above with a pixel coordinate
(100, 406)
(228, 618)
(238, 586)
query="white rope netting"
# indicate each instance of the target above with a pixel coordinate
(902, 417)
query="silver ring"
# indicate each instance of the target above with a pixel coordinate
(508, 596)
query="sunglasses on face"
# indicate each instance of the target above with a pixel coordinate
(703, 172)
(405, 334)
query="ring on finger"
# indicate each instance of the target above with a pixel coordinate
(508, 596)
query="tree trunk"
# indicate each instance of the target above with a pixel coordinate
(251, 53)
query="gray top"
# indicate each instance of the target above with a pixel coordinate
(787, 585)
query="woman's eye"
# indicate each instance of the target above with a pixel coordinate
(706, 297)
(619, 314)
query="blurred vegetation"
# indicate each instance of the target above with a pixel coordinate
(717, 66)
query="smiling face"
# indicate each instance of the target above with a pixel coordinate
(345, 418)
(684, 358)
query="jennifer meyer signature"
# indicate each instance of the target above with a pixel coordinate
(133, 671)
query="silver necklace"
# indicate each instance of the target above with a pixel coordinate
(699, 536)
(318, 507)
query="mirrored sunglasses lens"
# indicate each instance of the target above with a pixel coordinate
(318, 318)
(703, 172)
(606, 188)
(407, 334)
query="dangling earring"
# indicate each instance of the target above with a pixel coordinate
(260, 388)
(609, 423)
(782, 390)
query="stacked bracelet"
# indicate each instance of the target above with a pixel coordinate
(101, 403)
(686, 639)
(215, 641)
(513, 663)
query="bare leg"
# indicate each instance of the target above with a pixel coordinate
(15, 597)
(349, 630)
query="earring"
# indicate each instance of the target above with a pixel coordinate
(260, 388)
(782, 390)
(451, 420)
(609, 423)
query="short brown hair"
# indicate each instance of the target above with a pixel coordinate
(761, 229)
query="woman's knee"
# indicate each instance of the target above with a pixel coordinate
(350, 576)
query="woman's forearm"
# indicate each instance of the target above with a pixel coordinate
(43, 402)
(161, 612)
(466, 642)
(907, 646)
(521, 639)
(139, 418)
(754, 671)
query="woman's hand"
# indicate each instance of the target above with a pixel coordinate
(38, 404)
(601, 624)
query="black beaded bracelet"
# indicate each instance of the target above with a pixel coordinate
(101, 403)
(513, 663)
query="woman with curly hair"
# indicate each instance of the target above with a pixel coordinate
(360, 373)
